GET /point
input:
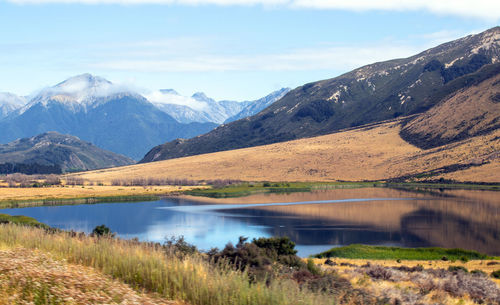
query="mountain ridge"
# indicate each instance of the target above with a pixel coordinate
(68, 152)
(371, 93)
(100, 112)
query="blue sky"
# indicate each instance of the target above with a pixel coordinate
(229, 49)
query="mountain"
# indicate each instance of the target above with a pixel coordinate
(200, 108)
(9, 103)
(372, 93)
(98, 111)
(67, 152)
(257, 106)
(472, 110)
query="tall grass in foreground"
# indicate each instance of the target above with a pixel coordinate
(147, 267)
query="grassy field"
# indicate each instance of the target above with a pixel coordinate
(353, 155)
(395, 253)
(18, 197)
(22, 220)
(245, 189)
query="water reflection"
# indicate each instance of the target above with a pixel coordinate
(315, 221)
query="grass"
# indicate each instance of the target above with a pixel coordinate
(22, 220)
(10, 204)
(353, 155)
(246, 189)
(33, 277)
(146, 267)
(394, 253)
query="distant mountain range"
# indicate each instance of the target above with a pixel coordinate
(372, 93)
(112, 116)
(208, 109)
(66, 152)
(9, 103)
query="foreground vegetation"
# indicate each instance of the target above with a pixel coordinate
(150, 267)
(394, 253)
(263, 271)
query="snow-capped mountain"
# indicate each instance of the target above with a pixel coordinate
(9, 103)
(113, 116)
(79, 93)
(201, 108)
(257, 106)
(372, 93)
(96, 110)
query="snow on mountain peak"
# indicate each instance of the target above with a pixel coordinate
(11, 99)
(170, 96)
(82, 89)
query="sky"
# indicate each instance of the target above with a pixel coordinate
(229, 49)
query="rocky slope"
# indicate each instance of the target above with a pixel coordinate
(468, 112)
(372, 93)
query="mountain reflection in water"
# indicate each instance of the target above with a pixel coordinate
(316, 221)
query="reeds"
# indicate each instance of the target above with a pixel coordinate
(148, 267)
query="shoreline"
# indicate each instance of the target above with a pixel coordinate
(67, 195)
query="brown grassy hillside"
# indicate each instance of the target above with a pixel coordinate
(468, 112)
(371, 153)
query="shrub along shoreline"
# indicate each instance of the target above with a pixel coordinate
(263, 271)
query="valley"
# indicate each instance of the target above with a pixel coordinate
(377, 186)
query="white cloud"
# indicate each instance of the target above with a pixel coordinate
(158, 97)
(323, 58)
(488, 9)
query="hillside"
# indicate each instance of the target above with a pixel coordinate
(352, 155)
(67, 152)
(470, 111)
(372, 93)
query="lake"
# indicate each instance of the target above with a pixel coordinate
(315, 221)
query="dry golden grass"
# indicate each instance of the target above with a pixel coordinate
(468, 111)
(33, 277)
(74, 192)
(375, 153)
(349, 268)
(427, 264)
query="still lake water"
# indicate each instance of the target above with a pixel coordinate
(315, 221)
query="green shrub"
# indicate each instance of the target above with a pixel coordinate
(179, 246)
(457, 268)
(478, 272)
(311, 266)
(496, 274)
(102, 230)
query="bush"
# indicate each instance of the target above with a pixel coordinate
(102, 230)
(278, 245)
(496, 274)
(478, 272)
(457, 269)
(311, 266)
(179, 246)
